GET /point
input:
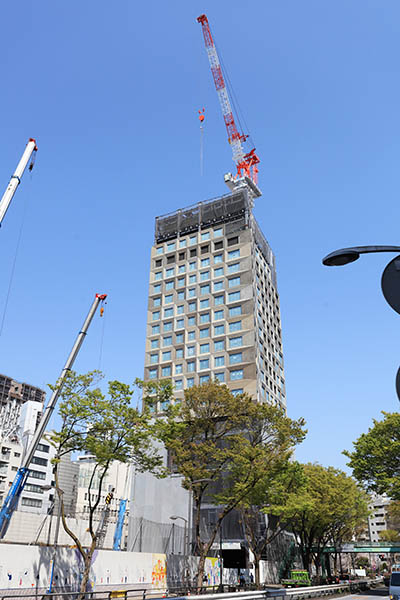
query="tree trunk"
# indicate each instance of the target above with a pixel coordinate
(256, 560)
(86, 572)
(200, 571)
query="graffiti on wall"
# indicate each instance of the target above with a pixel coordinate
(159, 571)
(211, 571)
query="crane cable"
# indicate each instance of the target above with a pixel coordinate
(10, 283)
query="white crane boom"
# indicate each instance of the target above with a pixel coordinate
(16, 178)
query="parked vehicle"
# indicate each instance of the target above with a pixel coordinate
(297, 578)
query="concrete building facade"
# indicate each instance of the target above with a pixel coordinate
(213, 308)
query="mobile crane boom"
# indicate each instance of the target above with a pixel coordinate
(21, 476)
(16, 178)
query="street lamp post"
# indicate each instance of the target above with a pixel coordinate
(390, 282)
(185, 532)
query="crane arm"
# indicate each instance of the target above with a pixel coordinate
(16, 178)
(17, 486)
(119, 525)
(246, 163)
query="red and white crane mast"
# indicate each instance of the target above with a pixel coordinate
(246, 163)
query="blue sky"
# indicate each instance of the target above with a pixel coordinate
(111, 92)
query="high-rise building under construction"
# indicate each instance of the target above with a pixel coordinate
(213, 309)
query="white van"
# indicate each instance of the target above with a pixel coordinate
(394, 585)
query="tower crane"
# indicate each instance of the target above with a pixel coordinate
(15, 180)
(11, 500)
(246, 162)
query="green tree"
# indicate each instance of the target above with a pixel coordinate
(326, 509)
(280, 479)
(375, 460)
(220, 443)
(108, 428)
(389, 535)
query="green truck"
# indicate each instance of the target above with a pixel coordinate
(297, 579)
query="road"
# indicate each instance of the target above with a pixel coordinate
(375, 594)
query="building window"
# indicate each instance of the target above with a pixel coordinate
(205, 236)
(204, 379)
(180, 309)
(235, 326)
(204, 303)
(204, 262)
(219, 361)
(233, 282)
(169, 272)
(36, 460)
(219, 329)
(205, 332)
(193, 240)
(218, 232)
(181, 256)
(179, 353)
(218, 314)
(218, 258)
(234, 267)
(192, 279)
(157, 302)
(218, 245)
(181, 295)
(191, 336)
(235, 358)
(192, 293)
(235, 311)
(234, 296)
(190, 351)
(189, 382)
(192, 266)
(154, 344)
(159, 250)
(204, 348)
(31, 502)
(166, 355)
(36, 474)
(178, 384)
(168, 298)
(235, 342)
(193, 252)
(168, 312)
(178, 369)
(219, 345)
(156, 315)
(170, 259)
(166, 371)
(220, 377)
(190, 366)
(182, 243)
(168, 326)
(205, 318)
(233, 240)
(233, 253)
(237, 374)
(167, 340)
(158, 263)
(40, 447)
(169, 285)
(191, 321)
(219, 272)
(182, 269)
(157, 288)
(180, 323)
(179, 338)
(219, 300)
(237, 392)
(154, 358)
(158, 276)
(218, 286)
(205, 289)
(205, 249)
(153, 374)
(204, 364)
(155, 329)
(181, 282)
(204, 275)
(191, 306)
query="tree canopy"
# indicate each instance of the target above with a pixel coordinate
(375, 459)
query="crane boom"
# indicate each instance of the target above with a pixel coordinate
(16, 178)
(17, 486)
(246, 163)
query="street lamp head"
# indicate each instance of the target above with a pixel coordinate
(340, 257)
